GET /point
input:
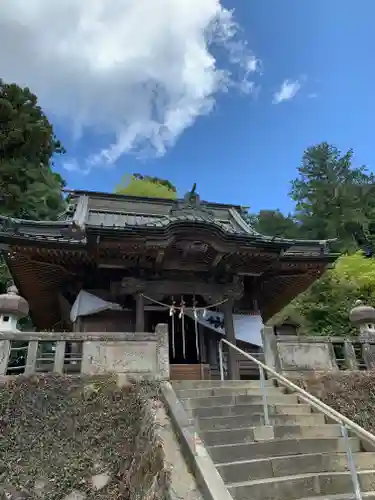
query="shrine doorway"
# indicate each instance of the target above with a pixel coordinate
(185, 348)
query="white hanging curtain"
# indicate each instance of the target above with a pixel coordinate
(86, 303)
(247, 327)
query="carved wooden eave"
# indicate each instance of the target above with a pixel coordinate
(157, 289)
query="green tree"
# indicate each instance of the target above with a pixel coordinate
(329, 195)
(147, 186)
(326, 305)
(275, 223)
(25, 132)
(324, 308)
(334, 199)
(29, 188)
(360, 271)
(5, 277)
(29, 191)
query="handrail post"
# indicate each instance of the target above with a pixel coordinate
(221, 363)
(351, 463)
(264, 396)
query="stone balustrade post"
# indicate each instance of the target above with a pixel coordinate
(351, 362)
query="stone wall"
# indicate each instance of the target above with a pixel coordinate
(136, 355)
(303, 355)
(147, 476)
(139, 354)
(300, 355)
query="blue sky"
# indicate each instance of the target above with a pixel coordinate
(247, 149)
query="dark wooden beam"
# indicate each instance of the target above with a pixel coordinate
(211, 292)
(161, 262)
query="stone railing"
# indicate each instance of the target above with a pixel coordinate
(133, 354)
(300, 355)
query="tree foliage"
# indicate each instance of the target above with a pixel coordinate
(25, 131)
(29, 188)
(144, 185)
(5, 277)
(334, 199)
(324, 308)
(275, 223)
(30, 191)
(329, 195)
(359, 270)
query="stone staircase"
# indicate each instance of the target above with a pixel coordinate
(299, 456)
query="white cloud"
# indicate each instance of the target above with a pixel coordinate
(140, 71)
(287, 91)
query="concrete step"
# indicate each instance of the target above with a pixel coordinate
(240, 421)
(214, 384)
(368, 495)
(238, 399)
(302, 486)
(305, 431)
(278, 448)
(225, 391)
(250, 409)
(292, 465)
(262, 433)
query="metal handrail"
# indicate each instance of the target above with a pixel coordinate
(316, 403)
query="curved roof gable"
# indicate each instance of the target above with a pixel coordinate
(92, 211)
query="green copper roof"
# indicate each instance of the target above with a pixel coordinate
(98, 212)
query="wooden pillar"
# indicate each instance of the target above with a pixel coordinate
(202, 345)
(140, 313)
(212, 350)
(233, 369)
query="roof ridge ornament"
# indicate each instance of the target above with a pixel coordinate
(191, 205)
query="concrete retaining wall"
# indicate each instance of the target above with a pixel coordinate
(299, 355)
(131, 354)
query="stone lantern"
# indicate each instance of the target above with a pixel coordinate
(363, 317)
(12, 309)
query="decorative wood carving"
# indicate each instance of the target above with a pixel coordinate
(211, 292)
(217, 259)
(192, 247)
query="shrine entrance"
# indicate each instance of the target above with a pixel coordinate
(184, 347)
(187, 350)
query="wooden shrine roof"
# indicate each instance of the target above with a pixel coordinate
(103, 213)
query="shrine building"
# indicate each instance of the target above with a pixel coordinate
(115, 263)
